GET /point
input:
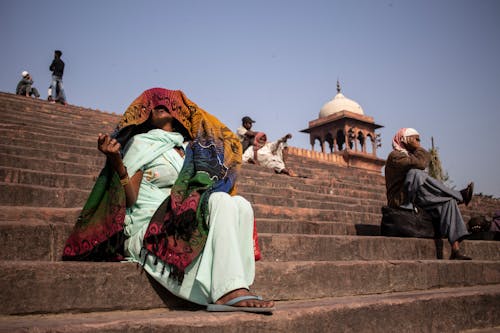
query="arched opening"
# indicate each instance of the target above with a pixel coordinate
(351, 137)
(340, 140)
(329, 139)
(361, 141)
(370, 144)
(313, 143)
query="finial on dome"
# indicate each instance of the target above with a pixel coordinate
(338, 86)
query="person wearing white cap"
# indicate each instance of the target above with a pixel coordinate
(25, 86)
(408, 185)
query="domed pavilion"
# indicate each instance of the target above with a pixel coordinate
(342, 128)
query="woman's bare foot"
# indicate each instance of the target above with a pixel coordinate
(256, 303)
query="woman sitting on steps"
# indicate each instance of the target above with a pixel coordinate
(180, 223)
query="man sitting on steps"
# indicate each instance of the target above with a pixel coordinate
(269, 154)
(408, 184)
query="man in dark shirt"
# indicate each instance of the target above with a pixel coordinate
(408, 184)
(57, 68)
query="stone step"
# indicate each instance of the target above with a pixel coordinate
(333, 176)
(253, 178)
(44, 165)
(286, 199)
(313, 214)
(65, 151)
(83, 164)
(354, 183)
(83, 182)
(68, 216)
(30, 239)
(32, 195)
(416, 311)
(47, 179)
(67, 155)
(39, 149)
(84, 286)
(287, 226)
(54, 114)
(84, 141)
(51, 129)
(41, 196)
(43, 109)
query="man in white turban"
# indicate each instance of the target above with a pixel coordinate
(408, 185)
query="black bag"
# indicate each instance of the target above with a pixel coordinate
(399, 222)
(480, 228)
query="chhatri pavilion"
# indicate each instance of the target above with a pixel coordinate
(343, 129)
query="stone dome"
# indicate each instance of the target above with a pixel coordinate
(340, 103)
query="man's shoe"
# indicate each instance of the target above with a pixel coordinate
(456, 255)
(467, 193)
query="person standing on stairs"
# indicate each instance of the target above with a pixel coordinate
(56, 85)
(408, 185)
(170, 205)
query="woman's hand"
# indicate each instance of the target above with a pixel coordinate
(108, 146)
(111, 148)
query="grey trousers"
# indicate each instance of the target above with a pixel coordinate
(439, 200)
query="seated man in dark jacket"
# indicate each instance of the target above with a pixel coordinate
(407, 184)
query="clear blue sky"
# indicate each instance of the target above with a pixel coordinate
(428, 64)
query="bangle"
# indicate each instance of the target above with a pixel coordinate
(125, 180)
(125, 175)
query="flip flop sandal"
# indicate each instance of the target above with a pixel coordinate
(229, 306)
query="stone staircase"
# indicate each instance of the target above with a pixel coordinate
(323, 261)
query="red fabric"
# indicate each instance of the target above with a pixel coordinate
(256, 248)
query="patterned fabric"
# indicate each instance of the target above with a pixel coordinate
(98, 232)
(256, 142)
(177, 231)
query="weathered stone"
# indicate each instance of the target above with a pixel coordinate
(308, 229)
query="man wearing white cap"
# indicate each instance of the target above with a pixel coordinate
(25, 86)
(408, 184)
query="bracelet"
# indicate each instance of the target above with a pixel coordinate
(125, 180)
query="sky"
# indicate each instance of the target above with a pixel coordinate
(433, 65)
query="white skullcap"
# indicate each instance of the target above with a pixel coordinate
(411, 132)
(24, 73)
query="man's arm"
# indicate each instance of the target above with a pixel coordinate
(250, 133)
(418, 159)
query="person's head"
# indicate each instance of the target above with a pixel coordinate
(247, 122)
(260, 139)
(406, 140)
(57, 53)
(412, 142)
(25, 74)
(161, 117)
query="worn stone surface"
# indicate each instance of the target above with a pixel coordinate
(424, 311)
(326, 277)
(51, 287)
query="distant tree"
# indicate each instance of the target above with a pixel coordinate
(435, 169)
